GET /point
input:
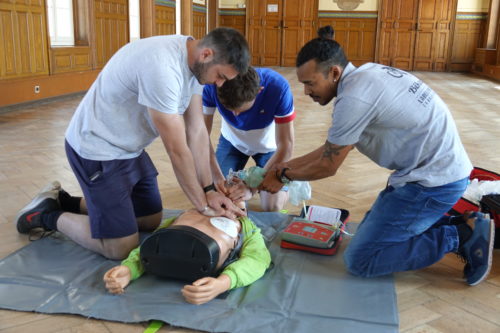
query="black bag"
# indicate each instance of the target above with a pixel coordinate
(491, 204)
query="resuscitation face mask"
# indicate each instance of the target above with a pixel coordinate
(183, 253)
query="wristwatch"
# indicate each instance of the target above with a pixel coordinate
(209, 188)
(283, 177)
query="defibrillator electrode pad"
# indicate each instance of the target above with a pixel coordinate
(180, 252)
(225, 225)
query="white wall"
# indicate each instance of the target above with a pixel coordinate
(366, 5)
(473, 6)
(233, 3)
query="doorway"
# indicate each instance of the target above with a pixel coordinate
(277, 29)
(415, 35)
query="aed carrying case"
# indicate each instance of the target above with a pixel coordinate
(305, 246)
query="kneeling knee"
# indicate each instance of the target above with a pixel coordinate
(118, 250)
(272, 207)
(355, 265)
(273, 202)
(116, 253)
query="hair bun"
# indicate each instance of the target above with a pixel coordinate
(326, 32)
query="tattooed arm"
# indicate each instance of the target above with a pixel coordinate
(320, 163)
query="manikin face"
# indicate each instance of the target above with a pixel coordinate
(320, 87)
(223, 230)
(210, 73)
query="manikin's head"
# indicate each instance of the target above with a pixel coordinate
(220, 55)
(238, 95)
(320, 64)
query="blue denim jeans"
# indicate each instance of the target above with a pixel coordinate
(405, 229)
(229, 157)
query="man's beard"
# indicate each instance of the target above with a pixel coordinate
(200, 69)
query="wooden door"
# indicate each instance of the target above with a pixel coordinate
(111, 28)
(253, 29)
(298, 27)
(415, 34)
(433, 35)
(264, 31)
(277, 29)
(271, 33)
(397, 33)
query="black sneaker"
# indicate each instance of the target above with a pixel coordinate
(45, 201)
(31, 218)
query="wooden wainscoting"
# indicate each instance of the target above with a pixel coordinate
(22, 90)
(164, 17)
(70, 59)
(233, 18)
(482, 58)
(356, 32)
(23, 41)
(199, 21)
(111, 28)
(469, 34)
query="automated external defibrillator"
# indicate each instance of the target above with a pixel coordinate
(183, 253)
(322, 236)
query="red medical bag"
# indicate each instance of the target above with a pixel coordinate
(463, 204)
(489, 203)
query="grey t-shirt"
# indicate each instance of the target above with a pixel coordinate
(112, 121)
(400, 123)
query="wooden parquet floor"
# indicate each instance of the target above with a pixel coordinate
(430, 300)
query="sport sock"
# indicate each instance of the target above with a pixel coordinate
(69, 203)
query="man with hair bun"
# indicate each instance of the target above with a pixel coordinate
(401, 124)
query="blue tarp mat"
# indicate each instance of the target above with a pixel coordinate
(303, 292)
